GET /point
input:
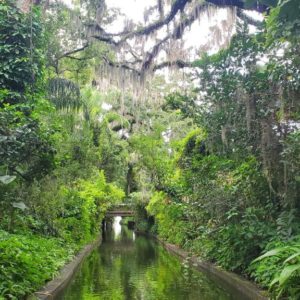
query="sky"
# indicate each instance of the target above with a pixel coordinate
(68, 2)
(134, 9)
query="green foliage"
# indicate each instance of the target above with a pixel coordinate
(230, 229)
(20, 56)
(26, 262)
(70, 203)
(169, 216)
(220, 178)
(64, 93)
(25, 150)
(240, 239)
(291, 159)
(114, 156)
(182, 103)
(283, 22)
(24, 146)
(51, 183)
(193, 146)
(75, 211)
(153, 154)
(279, 268)
(144, 223)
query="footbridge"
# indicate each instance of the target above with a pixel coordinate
(122, 210)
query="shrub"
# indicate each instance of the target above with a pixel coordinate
(171, 224)
(279, 268)
(26, 262)
(84, 207)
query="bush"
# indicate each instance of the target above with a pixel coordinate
(279, 268)
(27, 262)
(169, 216)
(84, 207)
(235, 244)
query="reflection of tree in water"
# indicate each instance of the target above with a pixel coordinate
(131, 269)
(146, 252)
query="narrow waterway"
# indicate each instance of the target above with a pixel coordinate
(127, 266)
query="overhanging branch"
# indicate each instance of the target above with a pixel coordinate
(177, 6)
(239, 4)
(66, 54)
(177, 63)
(119, 39)
(241, 14)
(120, 65)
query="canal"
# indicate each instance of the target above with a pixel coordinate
(128, 266)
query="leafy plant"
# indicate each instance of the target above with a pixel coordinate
(26, 262)
(286, 274)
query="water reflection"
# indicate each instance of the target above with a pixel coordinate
(129, 267)
(117, 227)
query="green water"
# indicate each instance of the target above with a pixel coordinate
(127, 266)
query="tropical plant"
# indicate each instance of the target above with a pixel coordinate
(286, 274)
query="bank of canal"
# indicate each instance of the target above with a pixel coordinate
(129, 266)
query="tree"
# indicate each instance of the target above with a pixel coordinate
(172, 22)
(24, 146)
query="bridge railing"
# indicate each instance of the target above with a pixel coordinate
(121, 207)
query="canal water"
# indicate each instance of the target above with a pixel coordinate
(128, 266)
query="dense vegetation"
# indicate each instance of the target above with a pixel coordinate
(214, 169)
(53, 193)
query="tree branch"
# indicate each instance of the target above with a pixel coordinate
(73, 51)
(78, 58)
(178, 63)
(241, 14)
(120, 65)
(176, 34)
(239, 4)
(177, 6)
(97, 32)
(151, 55)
